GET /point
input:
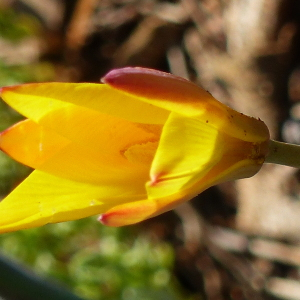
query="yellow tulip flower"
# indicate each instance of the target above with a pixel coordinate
(129, 149)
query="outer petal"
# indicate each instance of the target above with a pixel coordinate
(36, 100)
(104, 147)
(182, 96)
(129, 213)
(188, 149)
(137, 211)
(44, 198)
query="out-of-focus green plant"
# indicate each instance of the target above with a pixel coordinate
(14, 26)
(97, 262)
(15, 74)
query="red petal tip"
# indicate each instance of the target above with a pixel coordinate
(9, 87)
(112, 76)
(105, 219)
(101, 219)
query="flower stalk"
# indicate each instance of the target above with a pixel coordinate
(283, 154)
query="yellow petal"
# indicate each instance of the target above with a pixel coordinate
(42, 198)
(207, 158)
(112, 151)
(39, 99)
(182, 96)
(188, 149)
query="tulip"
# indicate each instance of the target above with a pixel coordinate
(129, 149)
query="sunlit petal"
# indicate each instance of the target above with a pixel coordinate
(37, 100)
(188, 149)
(43, 198)
(137, 211)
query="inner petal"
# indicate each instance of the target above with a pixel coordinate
(101, 148)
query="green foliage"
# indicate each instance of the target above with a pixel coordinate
(17, 74)
(15, 26)
(97, 262)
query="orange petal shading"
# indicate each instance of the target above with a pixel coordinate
(30, 143)
(129, 213)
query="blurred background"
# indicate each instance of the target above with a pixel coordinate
(236, 241)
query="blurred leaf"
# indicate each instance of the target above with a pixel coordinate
(15, 26)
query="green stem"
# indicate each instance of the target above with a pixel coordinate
(283, 154)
